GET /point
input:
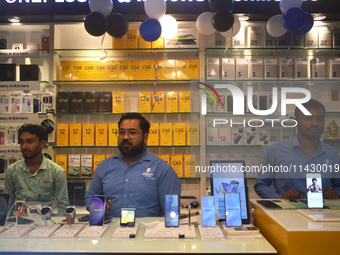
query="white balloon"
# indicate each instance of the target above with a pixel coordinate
(103, 6)
(275, 26)
(285, 5)
(233, 31)
(204, 23)
(169, 26)
(155, 8)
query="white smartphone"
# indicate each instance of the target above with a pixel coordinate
(314, 190)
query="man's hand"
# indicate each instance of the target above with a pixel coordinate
(291, 194)
(329, 193)
(107, 208)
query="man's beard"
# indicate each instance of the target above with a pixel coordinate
(133, 150)
(311, 137)
(31, 155)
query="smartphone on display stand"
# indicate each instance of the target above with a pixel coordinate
(208, 211)
(127, 217)
(97, 210)
(232, 205)
(171, 211)
(314, 190)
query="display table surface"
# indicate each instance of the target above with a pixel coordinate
(138, 245)
(292, 233)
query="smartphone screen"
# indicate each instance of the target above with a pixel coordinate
(233, 186)
(232, 205)
(4, 198)
(171, 211)
(314, 191)
(127, 217)
(225, 186)
(97, 210)
(208, 211)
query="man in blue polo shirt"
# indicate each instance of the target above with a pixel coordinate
(134, 178)
(301, 153)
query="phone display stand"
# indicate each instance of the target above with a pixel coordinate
(43, 231)
(159, 231)
(6, 227)
(68, 231)
(17, 231)
(208, 233)
(125, 232)
(93, 232)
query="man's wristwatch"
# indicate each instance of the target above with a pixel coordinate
(46, 213)
(70, 214)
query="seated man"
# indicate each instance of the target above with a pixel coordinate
(36, 179)
(301, 154)
(134, 178)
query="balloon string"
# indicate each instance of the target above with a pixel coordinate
(102, 45)
(290, 46)
(154, 85)
(225, 51)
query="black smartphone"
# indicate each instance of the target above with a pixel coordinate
(171, 211)
(97, 210)
(127, 217)
(263, 103)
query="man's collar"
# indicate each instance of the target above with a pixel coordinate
(296, 143)
(145, 156)
(43, 164)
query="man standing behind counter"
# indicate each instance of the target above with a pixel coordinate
(36, 179)
(301, 152)
(134, 178)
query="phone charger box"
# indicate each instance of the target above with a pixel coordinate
(77, 102)
(286, 69)
(312, 38)
(334, 65)
(179, 134)
(75, 134)
(165, 157)
(153, 139)
(158, 101)
(63, 102)
(7, 72)
(193, 134)
(113, 134)
(257, 68)
(61, 160)
(118, 102)
(177, 164)
(237, 136)
(144, 101)
(318, 69)
(181, 69)
(271, 68)
(15, 103)
(301, 68)
(29, 72)
(90, 102)
(112, 70)
(88, 134)
(228, 69)
(212, 134)
(4, 104)
(26, 104)
(165, 130)
(193, 69)
(213, 68)
(73, 164)
(255, 35)
(171, 101)
(86, 165)
(62, 134)
(97, 158)
(242, 68)
(185, 101)
(104, 101)
(101, 134)
(189, 165)
(169, 72)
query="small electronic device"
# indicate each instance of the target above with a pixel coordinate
(314, 190)
(97, 210)
(208, 211)
(70, 213)
(232, 209)
(46, 213)
(127, 217)
(171, 211)
(19, 208)
(4, 199)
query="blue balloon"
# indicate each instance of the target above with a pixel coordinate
(150, 30)
(294, 19)
(308, 25)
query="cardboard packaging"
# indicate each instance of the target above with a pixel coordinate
(77, 70)
(193, 134)
(193, 69)
(97, 158)
(90, 102)
(100, 71)
(62, 134)
(73, 165)
(104, 101)
(63, 102)
(101, 134)
(179, 134)
(113, 134)
(29, 73)
(118, 42)
(169, 69)
(171, 101)
(61, 160)
(65, 73)
(189, 165)
(228, 68)
(158, 104)
(89, 70)
(153, 139)
(132, 39)
(124, 70)
(88, 134)
(184, 101)
(86, 165)
(165, 157)
(181, 69)
(165, 130)
(77, 105)
(112, 70)
(213, 68)
(144, 101)
(75, 134)
(118, 102)
(177, 164)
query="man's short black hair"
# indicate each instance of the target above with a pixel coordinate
(311, 104)
(37, 130)
(314, 179)
(144, 124)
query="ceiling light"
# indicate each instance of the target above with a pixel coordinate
(320, 17)
(243, 18)
(14, 20)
